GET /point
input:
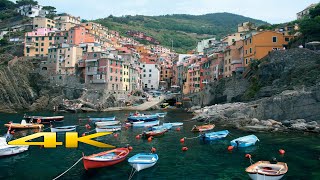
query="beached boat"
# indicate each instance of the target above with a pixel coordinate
(106, 123)
(153, 133)
(63, 129)
(24, 125)
(145, 124)
(143, 117)
(264, 170)
(8, 150)
(161, 114)
(211, 136)
(108, 129)
(163, 126)
(113, 118)
(174, 124)
(43, 119)
(202, 128)
(104, 159)
(244, 141)
(143, 160)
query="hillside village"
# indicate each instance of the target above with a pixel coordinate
(74, 51)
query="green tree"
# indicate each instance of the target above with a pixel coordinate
(4, 42)
(6, 4)
(26, 2)
(51, 11)
(314, 12)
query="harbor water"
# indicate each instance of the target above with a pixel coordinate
(203, 160)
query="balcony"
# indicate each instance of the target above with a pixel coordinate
(98, 81)
(30, 44)
(91, 71)
(236, 62)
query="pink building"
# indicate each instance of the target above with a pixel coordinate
(79, 34)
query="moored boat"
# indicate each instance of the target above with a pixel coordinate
(43, 119)
(174, 124)
(264, 170)
(63, 129)
(108, 129)
(143, 160)
(202, 128)
(9, 150)
(145, 124)
(24, 125)
(113, 118)
(244, 141)
(104, 159)
(162, 115)
(154, 133)
(163, 126)
(106, 123)
(142, 117)
(215, 135)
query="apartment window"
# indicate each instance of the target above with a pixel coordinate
(144, 75)
(37, 44)
(246, 42)
(246, 51)
(229, 68)
(250, 40)
(42, 38)
(143, 65)
(149, 81)
(246, 61)
(250, 50)
(225, 69)
(37, 49)
(287, 39)
(150, 70)
(144, 70)
(149, 75)
(42, 44)
(50, 43)
(229, 61)
(111, 70)
(274, 39)
(250, 59)
(116, 71)
(41, 49)
(50, 38)
(37, 38)
(110, 78)
(233, 40)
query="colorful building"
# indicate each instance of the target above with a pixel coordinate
(79, 34)
(232, 58)
(38, 41)
(42, 22)
(64, 22)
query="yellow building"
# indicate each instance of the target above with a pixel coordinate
(231, 38)
(64, 22)
(125, 77)
(257, 46)
(42, 22)
(38, 41)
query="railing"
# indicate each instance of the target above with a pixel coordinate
(236, 62)
(98, 81)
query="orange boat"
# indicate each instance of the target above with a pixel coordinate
(202, 128)
(104, 159)
(153, 133)
(24, 125)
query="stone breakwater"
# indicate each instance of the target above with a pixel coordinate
(288, 111)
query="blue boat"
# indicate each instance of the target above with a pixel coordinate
(244, 141)
(143, 160)
(143, 118)
(161, 114)
(174, 124)
(211, 136)
(145, 124)
(163, 126)
(113, 118)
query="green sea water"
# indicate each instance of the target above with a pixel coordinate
(203, 160)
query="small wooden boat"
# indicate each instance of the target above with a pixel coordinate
(24, 125)
(108, 129)
(264, 170)
(163, 126)
(43, 119)
(215, 135)
(174, 124)
(143, 160)
(104, 159)
(142, 117)
(162, 115)
(106, 123)
(244, 141)
(145, 124)
(153, 133)
(63, 129)
(113, 118)
(9, 150)
(202, 128)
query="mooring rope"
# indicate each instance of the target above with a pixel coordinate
(132, 173)
(68, 169)
(193, 137)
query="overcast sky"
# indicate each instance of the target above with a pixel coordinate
(272, 11)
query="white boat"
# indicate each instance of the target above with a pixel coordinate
(8, 150)
(143, 160)
(146, 124)
(174, 124)
(108, 129)
(107, 123)
(264, 170)
(63, 129)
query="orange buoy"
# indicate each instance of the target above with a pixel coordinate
(230, 148)
(12, 132)
(115, 135)
(39, 121)
(178, 129)
(130, 148)
(153, 150)
(282, 152)
(150, 139)
(138, 136)
(184, 148)
(182, 140)
(248, 156)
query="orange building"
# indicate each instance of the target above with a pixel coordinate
(79, 34)
(256, 46)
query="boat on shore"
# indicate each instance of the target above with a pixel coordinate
(143, 124)
(108, 129)
(43, 119)
(202, 128)
(24, 125)
(113, 118)
(106, 158)
(143, 160)
(244, 141)
(211, 136)
(63, 129)
(9, 150)
(153, 133)
(264, 170)
(107, 123)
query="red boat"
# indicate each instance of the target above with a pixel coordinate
(153, 133)
(43, 119)
(104, 159)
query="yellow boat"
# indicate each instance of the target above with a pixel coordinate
(24, 125)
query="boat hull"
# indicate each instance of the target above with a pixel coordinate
(44, 120)
(215, 135)
(245, 141)
(202, 128)
(106, 123)
(140, 167)
(102, 119)
(13, 150)
(174, 124)
(154, 133)
(146, 118)
(108, 129)
(24, 126)
(143, 160)
(263, 177)
(146, 124)
(64, 129)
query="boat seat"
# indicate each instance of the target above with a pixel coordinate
(23, 122)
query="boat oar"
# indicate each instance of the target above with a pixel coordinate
(119, 154)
